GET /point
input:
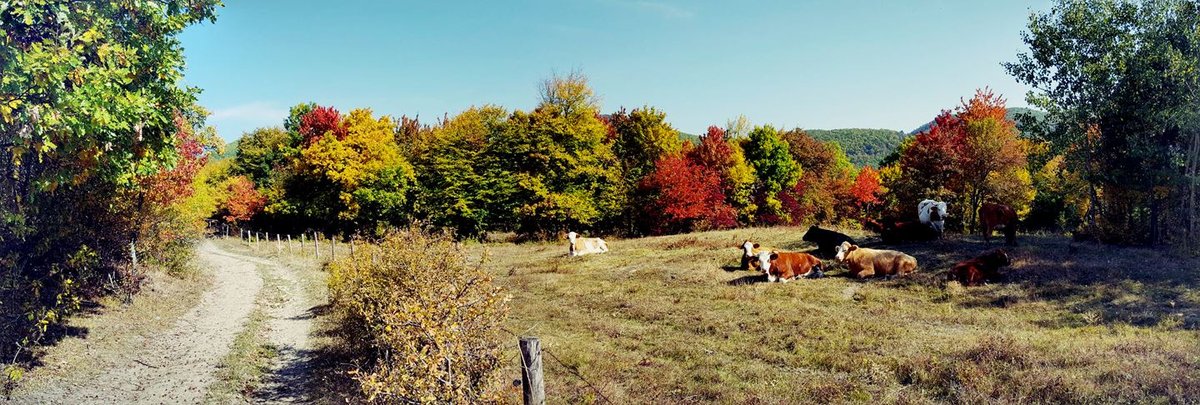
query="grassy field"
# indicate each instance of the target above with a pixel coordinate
(670, 320)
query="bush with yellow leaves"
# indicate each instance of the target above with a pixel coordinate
(425, 321)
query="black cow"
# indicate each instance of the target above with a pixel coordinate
(827, 241)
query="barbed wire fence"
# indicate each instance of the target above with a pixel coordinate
(531, 371)
(315, 245)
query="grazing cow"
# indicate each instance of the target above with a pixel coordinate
(980, 269)
(907, 231)
(864, 262)
(787, 266)
(585, 246)
(827, 241)
(998, 216)
(750, 255)
(933, 213)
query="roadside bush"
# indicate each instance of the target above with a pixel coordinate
(425, 321)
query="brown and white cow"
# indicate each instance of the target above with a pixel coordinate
(585, 246)
(750, 251)
(981, 269)
(864, 262)
(787, 266)
(998, 217)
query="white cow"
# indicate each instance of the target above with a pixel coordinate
(585, 246)
(933, 213)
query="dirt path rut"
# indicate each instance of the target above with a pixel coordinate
(179, 365)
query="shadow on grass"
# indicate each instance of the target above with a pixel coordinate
(1095, 284)
(748, 280)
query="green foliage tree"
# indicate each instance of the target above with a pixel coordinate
(566, 175)
(458, 178)
(88, 102)
(640, 138)
(1092, 65)
(774, 168)
(263, 152)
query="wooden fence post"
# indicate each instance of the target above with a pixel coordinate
(533, 389)
(289, 243)
(316, 247)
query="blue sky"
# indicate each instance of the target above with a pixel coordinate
(809, 64)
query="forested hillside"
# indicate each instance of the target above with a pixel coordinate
(864, 147)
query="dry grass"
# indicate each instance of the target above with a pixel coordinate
(241, 371)
(670, 320)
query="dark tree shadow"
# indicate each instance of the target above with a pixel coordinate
(748, 280)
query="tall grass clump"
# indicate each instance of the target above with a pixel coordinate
(424, 321)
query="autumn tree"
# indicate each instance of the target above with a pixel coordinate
(685, 197)
(967, 157)
(825, 180)
(727, 158)
(88, 102)
(1120, 81)
(348, 178)
(992, 156)
(240, 202)
(565, 174)
(865, 193)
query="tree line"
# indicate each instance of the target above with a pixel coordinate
(107, 167)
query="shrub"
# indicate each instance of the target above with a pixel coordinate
(425, 321)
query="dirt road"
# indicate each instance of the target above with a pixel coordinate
(178, 365)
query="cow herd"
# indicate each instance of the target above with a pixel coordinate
(861, 262)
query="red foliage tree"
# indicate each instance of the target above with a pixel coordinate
(242, 200)
(319, 121)
(686, 197)
(931, 167)
(713, 152)
(169, 186)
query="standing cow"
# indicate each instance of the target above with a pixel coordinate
(933, 213)
(998, 217)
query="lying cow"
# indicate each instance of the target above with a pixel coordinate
(827, 241)
(933, 213)
(586, 246)
(998, 217)
(981, 269)
(787, 266)
(907, 231)
(864, 262)
(750, 252)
